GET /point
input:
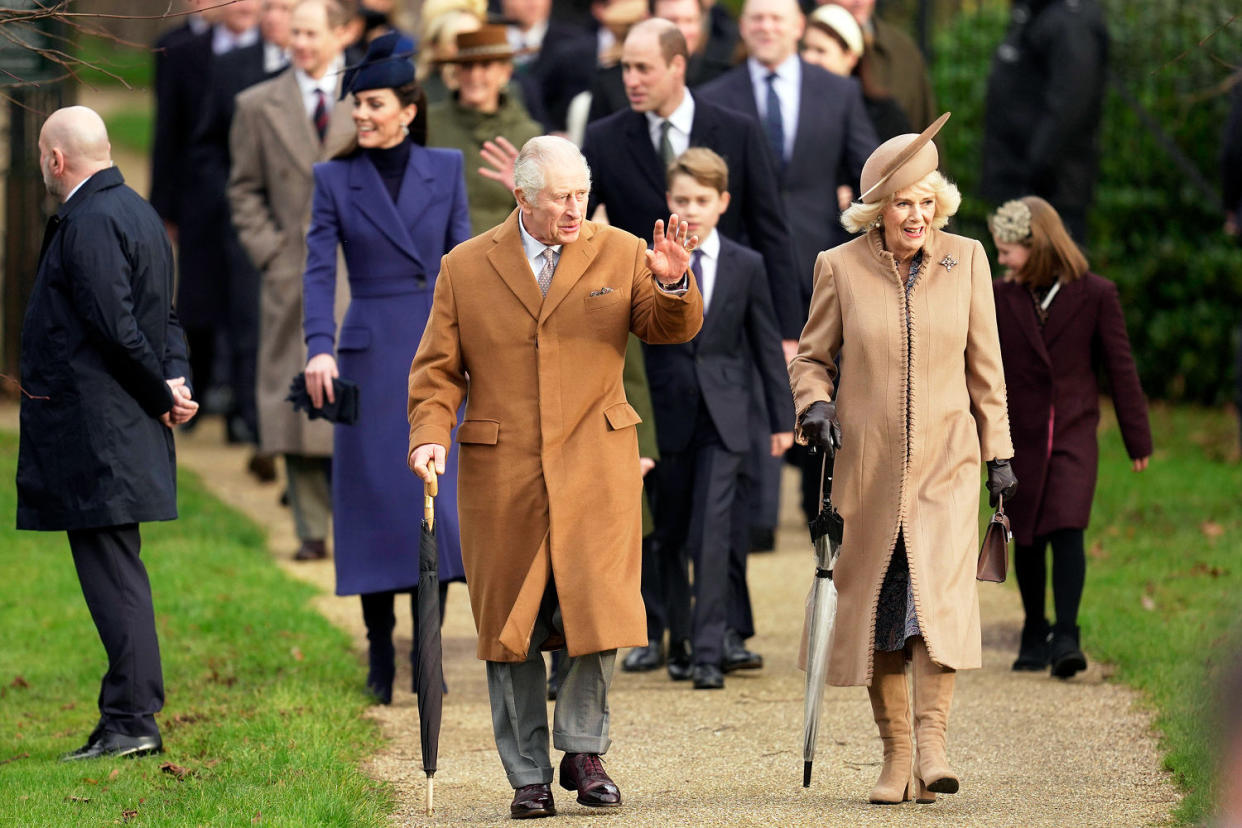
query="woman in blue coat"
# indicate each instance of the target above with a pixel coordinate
(395, 208)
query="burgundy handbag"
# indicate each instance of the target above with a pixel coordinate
(994, 553)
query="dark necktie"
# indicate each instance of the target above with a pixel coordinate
(667, 155)
(772, 124)
(696, 267)
(321, 114)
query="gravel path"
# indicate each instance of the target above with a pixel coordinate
(1032, 751)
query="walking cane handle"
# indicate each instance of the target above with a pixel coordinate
(431, 487)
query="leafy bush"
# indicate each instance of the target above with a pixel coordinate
(1153, 231)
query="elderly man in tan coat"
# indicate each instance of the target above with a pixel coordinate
(529, 325)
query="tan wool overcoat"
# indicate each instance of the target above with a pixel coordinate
(919, 412)
(548, 481)
(274, 146)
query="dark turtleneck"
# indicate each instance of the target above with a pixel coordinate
(390, 164)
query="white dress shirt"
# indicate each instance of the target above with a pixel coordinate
(709, 259)
(224, 40)
(788, 85)
(74, 191)
(328, 83)
(533, 248)
(527, 43)
(274, 58)
(681, 120)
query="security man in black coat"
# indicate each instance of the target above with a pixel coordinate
(1042, 112)
(104, 367)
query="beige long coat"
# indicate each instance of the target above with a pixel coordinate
(548, 482)
(914, 413)
(274, 146)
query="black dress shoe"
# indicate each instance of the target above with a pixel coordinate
(1064, 654)
(584, 773)
(116, 745)
(643, 659)
(532, 802)
(680, 661)
(262, 467)
(311, 550)
(736, 656)
(1033, 651)
(708, 677)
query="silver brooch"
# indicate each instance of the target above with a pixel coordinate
(948, 262)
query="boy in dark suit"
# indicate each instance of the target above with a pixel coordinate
(701, 395)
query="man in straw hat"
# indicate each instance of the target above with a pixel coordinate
(910, 310)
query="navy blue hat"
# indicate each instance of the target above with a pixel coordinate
(389, 64)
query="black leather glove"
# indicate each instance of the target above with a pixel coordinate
(1001, 482)
(821, 427)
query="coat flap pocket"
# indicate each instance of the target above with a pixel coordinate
(354, 338)
(482, 432)
(621, 415)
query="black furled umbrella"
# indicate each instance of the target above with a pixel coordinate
(430, 666)
(826, 532)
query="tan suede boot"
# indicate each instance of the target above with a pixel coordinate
(933, 695)
(890, 704)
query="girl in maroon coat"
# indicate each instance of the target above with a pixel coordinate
(1059, 324)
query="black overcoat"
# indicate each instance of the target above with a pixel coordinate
(99, 340)
(1054, 407)
(1044, 99)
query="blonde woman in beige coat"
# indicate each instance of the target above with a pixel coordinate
(919, 403)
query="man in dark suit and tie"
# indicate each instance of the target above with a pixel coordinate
(629, 150)
(819, 136)
(702, 402)
(209, 163)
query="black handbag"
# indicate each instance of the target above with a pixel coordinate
(343, 409)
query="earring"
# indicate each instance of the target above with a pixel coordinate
(405, 129)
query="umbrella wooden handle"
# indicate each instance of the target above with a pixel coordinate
(431, 488)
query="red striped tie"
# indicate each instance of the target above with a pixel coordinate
(321, 114)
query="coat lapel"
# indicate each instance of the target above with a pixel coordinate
(288, 117)
(1066, 305)
(509, 259)
(575, 258)
(642, 151)
(370, 197)
(1022, 310)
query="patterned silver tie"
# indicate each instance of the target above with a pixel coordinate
(549, 267)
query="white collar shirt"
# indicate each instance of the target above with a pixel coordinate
(74, 191)
(328, 83)
(527, 43)
(533, 249)
(274, 58)
(709, 260)
(223, 40)
(681, 121)
(788, 85)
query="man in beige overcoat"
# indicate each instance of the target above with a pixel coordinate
(532, 317)
(275, 140)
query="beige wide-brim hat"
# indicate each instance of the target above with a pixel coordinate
(899, 162)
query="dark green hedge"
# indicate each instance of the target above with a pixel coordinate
(1152, 231)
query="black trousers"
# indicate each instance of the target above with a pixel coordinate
(694, 523)
(118, 594)
(1069, 572)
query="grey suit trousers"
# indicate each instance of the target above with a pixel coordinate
(518, 692)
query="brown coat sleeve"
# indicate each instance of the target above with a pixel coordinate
(985, 374)
(657, 316)
(813, 372)
(437, 374)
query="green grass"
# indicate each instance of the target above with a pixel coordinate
(1164, 583)
(119, 62)
(263, 695)
(131, 129)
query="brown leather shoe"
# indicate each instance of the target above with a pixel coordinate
(532, 802)
(311, 550)
(584, 772)
(263, 467)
